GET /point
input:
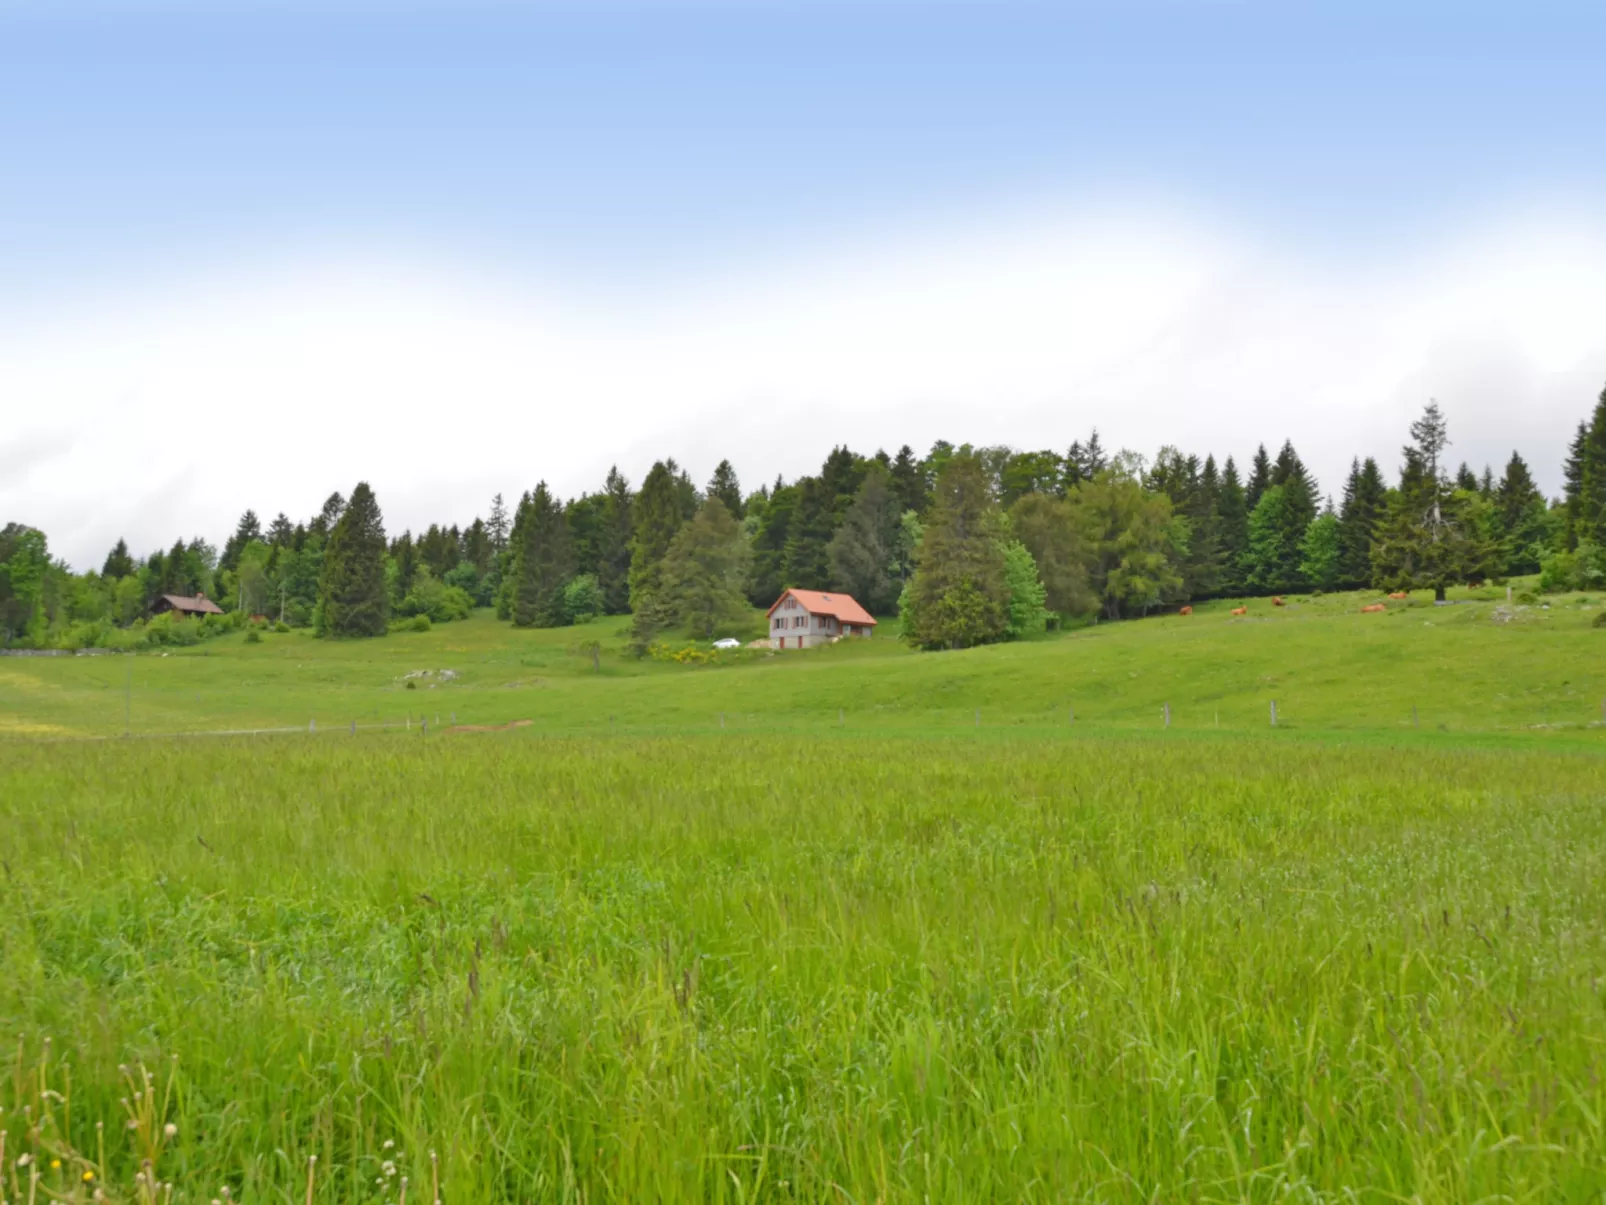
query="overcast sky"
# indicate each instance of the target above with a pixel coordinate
(248, 258)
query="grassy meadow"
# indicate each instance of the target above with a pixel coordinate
(850, 947)
(1329, 669)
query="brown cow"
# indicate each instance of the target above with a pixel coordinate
(1278, 601)
(1373, 609)
(1185, 611)
(1398, 595)
(1240, 610)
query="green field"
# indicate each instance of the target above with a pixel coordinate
(899, 930)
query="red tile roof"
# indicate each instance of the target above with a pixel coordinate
(818, 602)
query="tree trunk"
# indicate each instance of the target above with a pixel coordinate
(1438, 593)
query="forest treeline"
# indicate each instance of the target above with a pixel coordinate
(964, 545)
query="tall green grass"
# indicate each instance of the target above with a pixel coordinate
(844, 967)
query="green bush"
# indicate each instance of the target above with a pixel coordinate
(582, 599)
(1599, 621)
(419, 623)
(167, 629)
(281, 627)
(1582, 569)
(253, 635)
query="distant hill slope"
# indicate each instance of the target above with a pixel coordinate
(1474, 667)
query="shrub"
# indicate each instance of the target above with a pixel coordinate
(420, 623)
(281, 626)
(1527, 597)
(582, 598)
(253, 635)
(1599, 621)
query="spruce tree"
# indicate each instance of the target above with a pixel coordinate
(541, 563)
(1592, 480)
(1466, 479)
(863, 550)
(1572, 472)
(724, 486)
(353, 598)
(497, 526)
(659, 512)
(1365, 497)
(958, 596)
(1520, 524)
(615, 538)
(808, 562)
(247, 529)
(908, 483)
(281, 532)
(704, 571)
(1233, 521)
(768, 574)
(1259, 479)
(118, 563)
(1424, 540)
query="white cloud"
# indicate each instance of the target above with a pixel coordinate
(166, 413)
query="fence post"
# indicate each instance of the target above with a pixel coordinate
(312, 725)
(841, 716)
(978, 717)
(353, 727)
(1415, 722)
(1274, 713)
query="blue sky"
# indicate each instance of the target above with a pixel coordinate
(586, 170)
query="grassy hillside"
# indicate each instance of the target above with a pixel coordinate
(850, 946)
(1328, 667)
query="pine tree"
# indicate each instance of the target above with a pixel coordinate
(1365, 498)
(1233, 521)
(1466, 479)
(724, 486)
(863, 551)
(118, 563)
(353, 599)
(1520, 524)
(1259, 480)
(541, 563)
(659, 512)
(958, 596)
